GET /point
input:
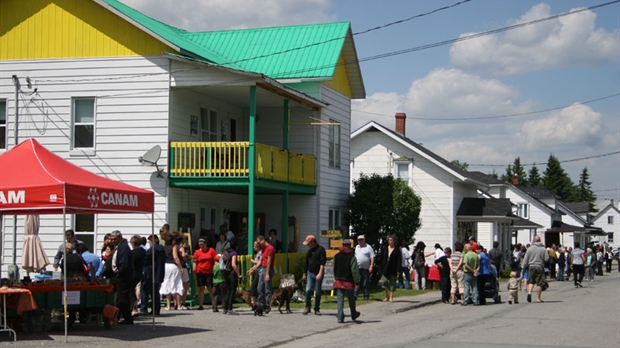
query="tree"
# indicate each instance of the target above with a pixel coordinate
(463, 165)
(533, 178)
(380, 206)
(557, 180)
(517, 168)
(507, 177)
(584, 190)
(493, 174)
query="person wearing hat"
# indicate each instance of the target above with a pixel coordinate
(315, 265)
(346, 278)
(365, 256)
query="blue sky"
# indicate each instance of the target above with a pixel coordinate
(543, 66)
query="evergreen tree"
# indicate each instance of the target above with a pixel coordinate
(557, 180)
(507, 177)
(517, 168)
(584, 190)
(533, 178)
(494, 175)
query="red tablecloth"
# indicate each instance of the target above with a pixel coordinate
(19, 299)
(60, 288)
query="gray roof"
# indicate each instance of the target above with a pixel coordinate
(578, 207)
(537, 192)
(471, 206)
(485, 178)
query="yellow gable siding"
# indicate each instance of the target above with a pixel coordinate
(340, 81)
(41, 29)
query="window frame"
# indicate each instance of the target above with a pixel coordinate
(334, 144)
(74, 123)
(211, 134)
(610, 219)
(3, 127)
(91, 235)
(334, 218)
(403, 162)
(520, 211)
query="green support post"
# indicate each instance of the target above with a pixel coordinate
(252, 169)
(285, 145)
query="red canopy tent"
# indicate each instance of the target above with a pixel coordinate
(34, 180)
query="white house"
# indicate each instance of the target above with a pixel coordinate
(608, 219)
(259, 132)
(451, 209)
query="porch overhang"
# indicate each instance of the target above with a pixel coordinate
(485, 210)
(561, 227)
(240, 186)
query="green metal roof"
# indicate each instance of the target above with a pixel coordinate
(287, 52)
(301, 51)
(169, 33)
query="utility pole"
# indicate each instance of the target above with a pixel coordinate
(13, 270)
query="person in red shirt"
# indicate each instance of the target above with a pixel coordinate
(204, 260)
(265, 273)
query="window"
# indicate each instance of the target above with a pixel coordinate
(402, 167)
(83, 123)
(610, 237)
(610, 220)
(334, 145)
(523, 210)
(208, 125)
(84, 227)
(2, 124)
(334, 219)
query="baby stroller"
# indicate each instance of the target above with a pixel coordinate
(491, 288)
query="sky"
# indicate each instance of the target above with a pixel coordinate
(481, 101)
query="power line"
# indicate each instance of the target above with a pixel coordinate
(412, 17)
(499, 116)
(477, 35)
(564, 161)
(375, 57)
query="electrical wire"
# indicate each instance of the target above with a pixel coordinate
(545, 163)
(370, 58)
(498, 116)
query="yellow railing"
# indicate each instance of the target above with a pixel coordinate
(230, 159)
(200, 159)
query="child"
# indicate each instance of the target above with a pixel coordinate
(513, 288)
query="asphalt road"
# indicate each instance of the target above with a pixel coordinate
(569, 317)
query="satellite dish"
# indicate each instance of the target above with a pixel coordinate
(151, 157)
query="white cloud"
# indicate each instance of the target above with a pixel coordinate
(560, 42)
(200, 15)
(574, 125)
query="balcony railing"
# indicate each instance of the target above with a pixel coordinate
(230, 159)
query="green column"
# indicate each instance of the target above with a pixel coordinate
(285, 145)
(252, 169)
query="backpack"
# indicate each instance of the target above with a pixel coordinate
(418, 260)
(226, 261)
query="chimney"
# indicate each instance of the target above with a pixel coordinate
(515, 179)
(400, 122)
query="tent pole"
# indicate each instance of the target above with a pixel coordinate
(153, 267)
(64, 266)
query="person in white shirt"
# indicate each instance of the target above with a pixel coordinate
(365, 256)
(404, 273)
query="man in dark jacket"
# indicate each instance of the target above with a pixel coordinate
(346, 279)
(315, 265)
(122, 265)
(148, 287)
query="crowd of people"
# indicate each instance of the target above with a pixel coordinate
(144, 275)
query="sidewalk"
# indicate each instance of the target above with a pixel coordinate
(216, 329)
